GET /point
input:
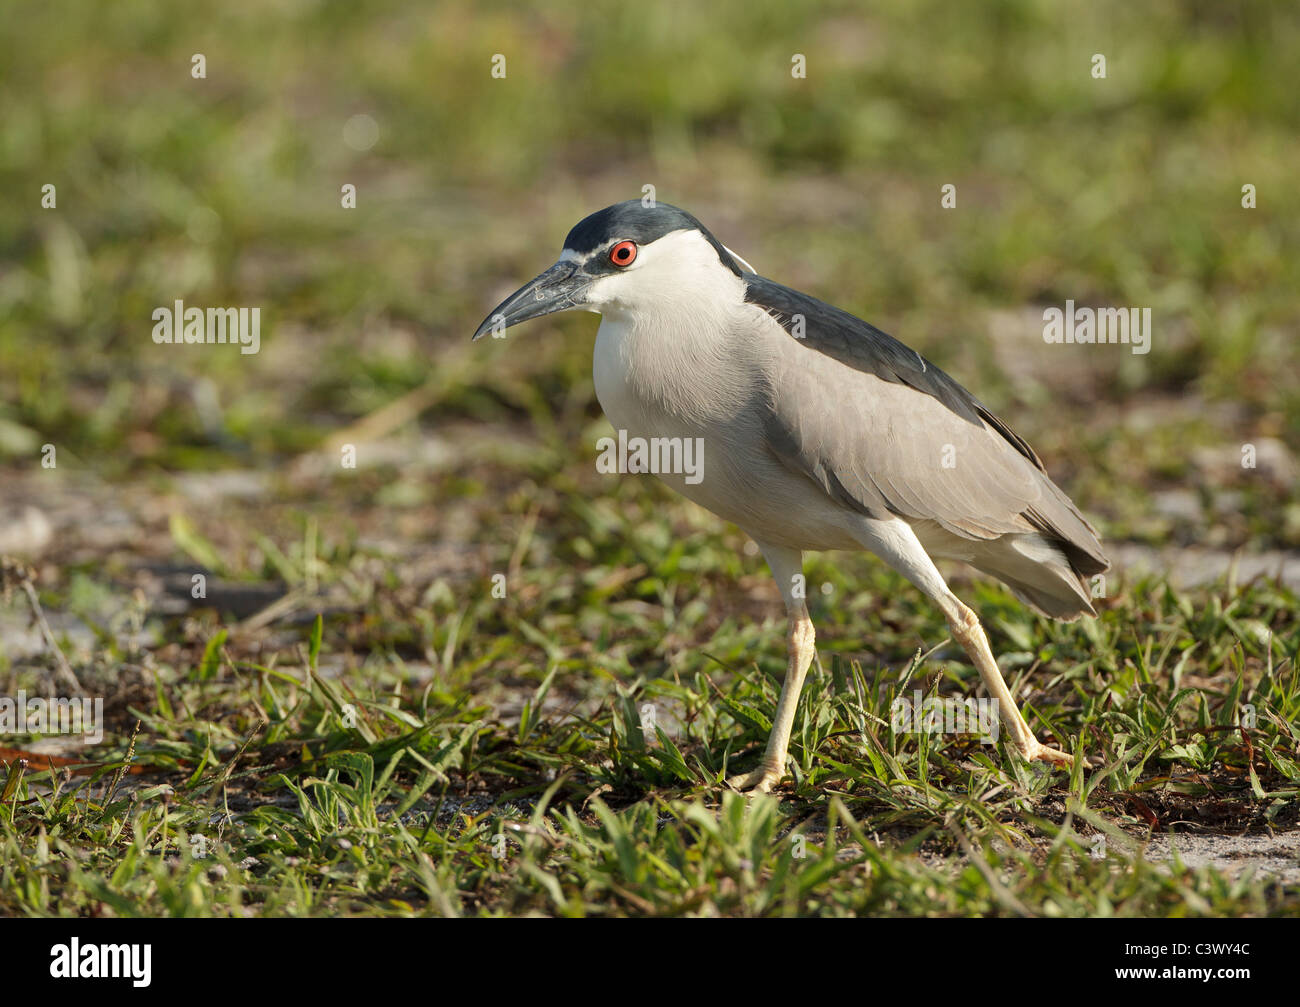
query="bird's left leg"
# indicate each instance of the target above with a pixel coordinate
(787, 565)
(896, 543)
(967, 631)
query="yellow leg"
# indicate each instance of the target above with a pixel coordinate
(968, 632)
(800, 647)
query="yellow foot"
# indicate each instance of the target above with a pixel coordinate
(760, 781)
(1037, 752)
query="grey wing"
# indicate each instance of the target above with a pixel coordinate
(887, 433)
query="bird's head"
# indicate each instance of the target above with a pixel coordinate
(628, 256)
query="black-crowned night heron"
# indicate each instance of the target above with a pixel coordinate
(819, 431)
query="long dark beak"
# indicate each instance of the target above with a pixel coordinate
(561, 287)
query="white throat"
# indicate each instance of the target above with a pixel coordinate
(670, 327)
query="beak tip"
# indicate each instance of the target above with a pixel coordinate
(557, 289)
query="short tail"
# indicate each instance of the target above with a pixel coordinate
(1042, 572)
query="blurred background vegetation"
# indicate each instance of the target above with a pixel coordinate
(226, 191)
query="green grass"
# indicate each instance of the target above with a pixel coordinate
(518, 778)
(496, 764)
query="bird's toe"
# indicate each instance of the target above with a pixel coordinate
(1038, 752)
(760, 781)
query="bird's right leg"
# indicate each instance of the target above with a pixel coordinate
(786, 564)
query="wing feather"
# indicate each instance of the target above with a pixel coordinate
(885, 431)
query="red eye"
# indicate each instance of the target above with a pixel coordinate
(623, 253)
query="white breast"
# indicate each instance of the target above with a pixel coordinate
(680, 354)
